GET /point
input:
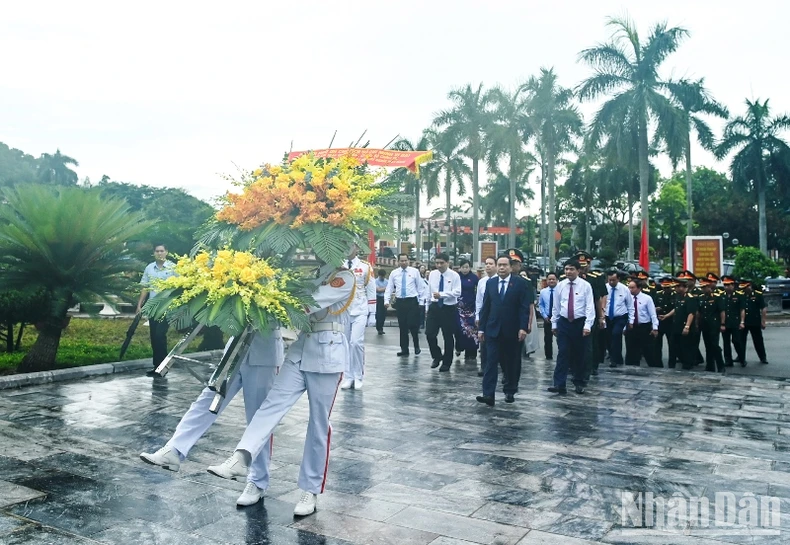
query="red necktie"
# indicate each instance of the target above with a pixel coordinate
(570, 303)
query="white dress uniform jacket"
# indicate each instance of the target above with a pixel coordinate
(362, 311)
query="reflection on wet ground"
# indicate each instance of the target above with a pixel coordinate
(415, 460)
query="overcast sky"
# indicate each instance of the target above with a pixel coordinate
(176, 94)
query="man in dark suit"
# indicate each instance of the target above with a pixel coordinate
(505, 321)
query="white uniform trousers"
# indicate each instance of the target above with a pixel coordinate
(256, 381)
(291, 383)
(532, 342)
(355, 332)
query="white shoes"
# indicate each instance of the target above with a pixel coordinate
(306, 505)
(358, 384)
(233, 468)
(165, 457)
(251, 495)
(347, 383)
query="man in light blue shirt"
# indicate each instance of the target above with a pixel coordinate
(618, 313)
(545, 305)
(160, 269)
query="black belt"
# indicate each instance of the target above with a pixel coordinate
(406, 298)
(616, 317)
(443, 304)
(574, 320)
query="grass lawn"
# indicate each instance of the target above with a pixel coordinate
(92, 340)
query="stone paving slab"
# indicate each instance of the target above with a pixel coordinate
(415, 460)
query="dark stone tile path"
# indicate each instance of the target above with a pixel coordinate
(415, 461)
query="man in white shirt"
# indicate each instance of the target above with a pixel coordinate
(490, 270)
(408, 288)
(572, 320)
(444, 287)
(619, 312)
(642, 327)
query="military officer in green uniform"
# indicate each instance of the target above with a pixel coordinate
(683, 325)
(735, 313)
(665, 303)
(710, 318)
(754, 320)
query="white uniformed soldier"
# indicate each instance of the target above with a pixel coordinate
(313, 363)
(255, 378)
(362, 309)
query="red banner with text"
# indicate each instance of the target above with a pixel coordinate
(375, 157)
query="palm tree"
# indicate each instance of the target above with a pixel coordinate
(54, 169)
(554, 121)
(447, 169)
(507, 135)
(69, 242)
(468, 123)
(693, 99)
(411, 184)
(763, 157)
(496, 201)
(628, 69)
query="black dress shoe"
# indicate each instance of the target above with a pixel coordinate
(549, 358)
(436, 363)
(613, 365)
(595, 372)
(509, 398)
(381, 333)
(743, 363)
(764, 362)
(403, 354)
(479, 373)
(151, 373)
(417, 351)
(579, 389)
(485, 399)
(445, 367)
(553, 390)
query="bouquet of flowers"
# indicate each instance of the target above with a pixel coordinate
(232, 290)
(323, 204)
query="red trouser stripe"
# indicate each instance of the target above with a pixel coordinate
(329, 435)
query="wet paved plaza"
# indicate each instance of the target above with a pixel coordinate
(415, 460)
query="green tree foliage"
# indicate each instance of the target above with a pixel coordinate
(70, 243)
(751, 264)
(175, 215)
(16, 167)
(55, 169)
(762, 158)
(626, 69)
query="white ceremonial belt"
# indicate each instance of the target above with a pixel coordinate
(327, 326)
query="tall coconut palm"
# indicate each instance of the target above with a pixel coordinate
(627, 69)
(694, 100)
(468, 123)
(70, 243)
(54, 169)
(411, 184)
(554, 121)
(507, 135)
(448, 168)
(762, 158)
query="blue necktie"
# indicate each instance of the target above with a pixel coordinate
(502, 290)
(403, 285)
(441, 288)
(611, 303)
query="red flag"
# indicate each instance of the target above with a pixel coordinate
(371, 243)
(644, 250)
